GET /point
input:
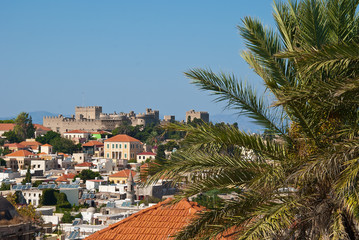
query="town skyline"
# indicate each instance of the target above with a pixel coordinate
(123, 56)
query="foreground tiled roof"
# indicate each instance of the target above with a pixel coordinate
(92, 143)
(20, 153)
(122, 138)
(7, 126)
(157, 222)
(123, 173)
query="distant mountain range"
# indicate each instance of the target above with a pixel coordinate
(243, 122)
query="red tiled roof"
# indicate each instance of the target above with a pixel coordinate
(76, 131)
(65, 177)
(92, 143)
(46, 145)
(7, 126)
(31, 144)
(60, 153)
(20, 153)
(147, 153)
(84, 164)
(157, 222)
(41, 127)
(14, 145)
(123, 173)
(122, 138)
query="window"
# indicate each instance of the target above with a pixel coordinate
(113, 145)
(38, 166)
(108, 155)
(125, 155)
(120, 145)
(125, 145)
(116, 145)
(108, 145)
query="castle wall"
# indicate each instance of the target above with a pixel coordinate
(92, 119)
(192, 114)
(92, 112)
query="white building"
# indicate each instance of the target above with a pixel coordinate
(7, 173)
(32, 196)
(93, 184)
(141, 157)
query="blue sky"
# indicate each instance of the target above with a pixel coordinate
(122, 55)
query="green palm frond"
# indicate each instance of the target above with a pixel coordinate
(237, 95)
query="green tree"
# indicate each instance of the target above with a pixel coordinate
(87, 174)
(12, 137)
(27, 178)
(67, 218)
(2, 162)
(48, 197)
(4, 187)
(301, 183)
(23, 126)
(63, 145)
(46, 138)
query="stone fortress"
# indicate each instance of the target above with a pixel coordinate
(91, 119)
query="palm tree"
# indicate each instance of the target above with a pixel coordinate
(302, 183)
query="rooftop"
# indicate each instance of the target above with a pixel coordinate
(92, 143)
(122, 138)
(76, 131)
(7, 126)
(157, 222)
(147, 153)
(123, 173)
(20, 153)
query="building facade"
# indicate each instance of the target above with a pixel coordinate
(122, 146)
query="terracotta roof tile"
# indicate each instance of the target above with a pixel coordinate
(122, 138)
(7, 126)
(46, 145)
(92, 143)
(76, 131)
(84, 164)
(20, 153)
(123, 173)
(65, 177)
(156, 222)
(147, 153)
(41, 127)
(14, 145)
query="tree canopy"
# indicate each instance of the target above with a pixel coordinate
(300, 180)
(87, 174)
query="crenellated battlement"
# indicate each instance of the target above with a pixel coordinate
(91, 118)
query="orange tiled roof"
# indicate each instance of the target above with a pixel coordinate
(92, 143)
(147, 153)
(46, 145)
(20, 153)
(32, 144)
(14, 145)
(122, 138)
(123, 173)
(157, 222)
(76, 131)
(41, 127)
(65, 177)
(7, 126)
(84, 164)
